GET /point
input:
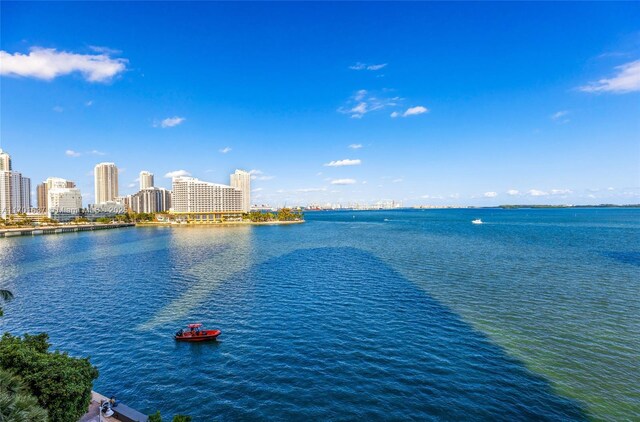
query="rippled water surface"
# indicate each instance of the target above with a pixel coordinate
(352, 315)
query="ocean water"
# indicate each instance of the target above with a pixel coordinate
(409, 314)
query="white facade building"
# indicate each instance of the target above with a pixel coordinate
(242, 180)
(64, 203)
(146, 180)
(192, 195)
(106, 182)
(15, 193)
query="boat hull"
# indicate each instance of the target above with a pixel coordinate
(193, 337)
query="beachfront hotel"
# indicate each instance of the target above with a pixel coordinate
(204, 202)
(106, 182)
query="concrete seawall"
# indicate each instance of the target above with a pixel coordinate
(35, 231)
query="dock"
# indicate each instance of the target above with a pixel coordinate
(36, 231)
(121, 413)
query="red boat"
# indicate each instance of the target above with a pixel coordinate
(195, 332)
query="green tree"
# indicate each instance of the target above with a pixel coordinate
(16, 402)
(62, 384)
(5, 295)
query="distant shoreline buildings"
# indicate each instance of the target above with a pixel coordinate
(15, 189)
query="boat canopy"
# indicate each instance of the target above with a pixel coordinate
(194, 325)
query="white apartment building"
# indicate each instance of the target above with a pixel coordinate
(15, 193)
(64, 203)
(106, 182)
(146, 180)
(242, 180)
(191, 195)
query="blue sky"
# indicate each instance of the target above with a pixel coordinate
(424, 103)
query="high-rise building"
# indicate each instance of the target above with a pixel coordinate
(146, 180)
(5, 161)
(64, 203)
(15, 193)
(42, 197)
(42, 190)
(242, 180)
(193, 195)
(151, 200)
(106, 182)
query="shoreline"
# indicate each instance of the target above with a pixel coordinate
(74, 228)
(221, 224)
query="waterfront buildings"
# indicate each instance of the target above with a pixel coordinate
(146, 180)
(200, 201)
(106, 182)
(15, 189)
(193, 195)
(42, 191)
(242, 180)
(150, 200)
(64, 204)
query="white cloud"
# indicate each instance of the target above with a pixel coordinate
(48, 64)
(397, 180)
(96, 152)
(72, 153)
(345, 162)
(355, 146)
(306, 190)
(343, 182)
(177, 173)
(224, 150)
(58, 109)
(364, 66)
(259, 175)
(257, 190)
(363, 102)
(414, 111)
(536, 192)
(513, 192)
(169, 122)
(131, 185)
(561, 191)
(626, 80)
(559, 115)
(490, 194)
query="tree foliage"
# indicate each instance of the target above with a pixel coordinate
(16, 402)
(156, 417)
(61, 383)
(5, 295)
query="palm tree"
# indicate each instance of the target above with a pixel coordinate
(16, 402)
(5, 295)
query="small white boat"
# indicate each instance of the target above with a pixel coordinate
(476, 221)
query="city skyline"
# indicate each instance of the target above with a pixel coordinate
(429, 108)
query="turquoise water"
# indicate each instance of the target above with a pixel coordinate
(377, 315)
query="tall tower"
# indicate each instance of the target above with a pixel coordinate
(242, 180)
(5, 161)
(146, 180)
(106, 182)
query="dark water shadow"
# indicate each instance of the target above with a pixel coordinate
(626, 257)
(335, 333)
